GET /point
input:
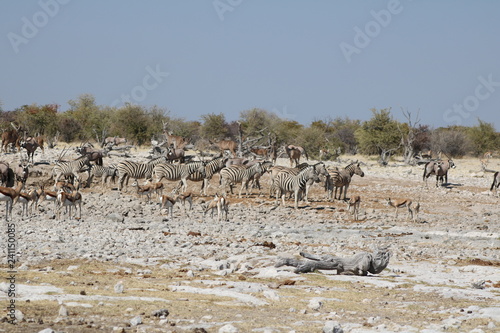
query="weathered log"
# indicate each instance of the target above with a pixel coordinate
(359, 264)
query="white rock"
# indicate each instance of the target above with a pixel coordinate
(332, 327)
(119, 287)
(315, 304)
(136, 321)
(228, 329)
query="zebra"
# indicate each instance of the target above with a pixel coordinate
(496, 181)
(104, 173)
(211, 168)
(180, 172)
(438, 168)
(342, 179)
(71, 168)
(286, 182)
(137, 170)
(319, 169)
(236, 174)
(255, 180)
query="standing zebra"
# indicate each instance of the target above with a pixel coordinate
(342, 179)
(137, 170)
(286, 182)
(211, 168)
(319, 169)
(236, 174)
(174, 172)
(104, 173)
(71, 168)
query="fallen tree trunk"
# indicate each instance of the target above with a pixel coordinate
(359, 264)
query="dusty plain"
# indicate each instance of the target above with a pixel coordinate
(210, 276)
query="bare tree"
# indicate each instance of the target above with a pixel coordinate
(408, 134)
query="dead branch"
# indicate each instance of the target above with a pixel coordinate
(359, 264)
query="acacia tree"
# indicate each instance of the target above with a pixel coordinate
(214, 126)
(379, 135)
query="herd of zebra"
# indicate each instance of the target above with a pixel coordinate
(293, 181)
(283, 180)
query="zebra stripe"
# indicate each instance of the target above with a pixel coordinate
(319, 169)
(71, 168)
(236, 174)
(286, 182)
(211, 168)
(137, 170)
(104, 173)
(342, 179)
(174, 172)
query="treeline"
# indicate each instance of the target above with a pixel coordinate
(381, 135)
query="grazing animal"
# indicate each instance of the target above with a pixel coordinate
(341, 179)
(174, 154)
(236, 174)
(230, 145)
(263, 152)
(9, 195)
(94, 155)
(182, 198)
(114, 141)
(286, 182)
(294, 155)
(27, 200)
(136, 170)
(144, 190)
(72, 168)
(104, 173)
(69, 200)
(354, 203)
(237, 161)
(319, 170)
(175, 141)
(30, 145)
(438, 168)
(168, 203)
(4, 172)
(175, 172)
(212, 167)
(301, 149)
(220, 204)
(496, 181)
(401, 203)
(11, 137)
(22, 173)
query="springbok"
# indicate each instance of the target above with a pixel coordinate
(401, 203)
(496, 182)
(354, 203)
(9, 195)
(69, 200)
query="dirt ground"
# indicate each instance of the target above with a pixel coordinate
(216, 276)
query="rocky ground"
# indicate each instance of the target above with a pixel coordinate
(195, 274)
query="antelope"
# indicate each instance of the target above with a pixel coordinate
(68, 200)
(354, 202)
(9, 195)
(47, 196)
(156, 188)
(65, 186)
(168, 203)
(27, 200)
(220, 204)
(144, 190)
(186, 196)
(294, 155)
(438, 168)
(400, 203)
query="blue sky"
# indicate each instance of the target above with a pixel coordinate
(304, 60)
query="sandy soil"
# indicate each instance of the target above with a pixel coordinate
(220, 277)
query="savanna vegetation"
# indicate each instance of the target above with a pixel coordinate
(382, 135)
